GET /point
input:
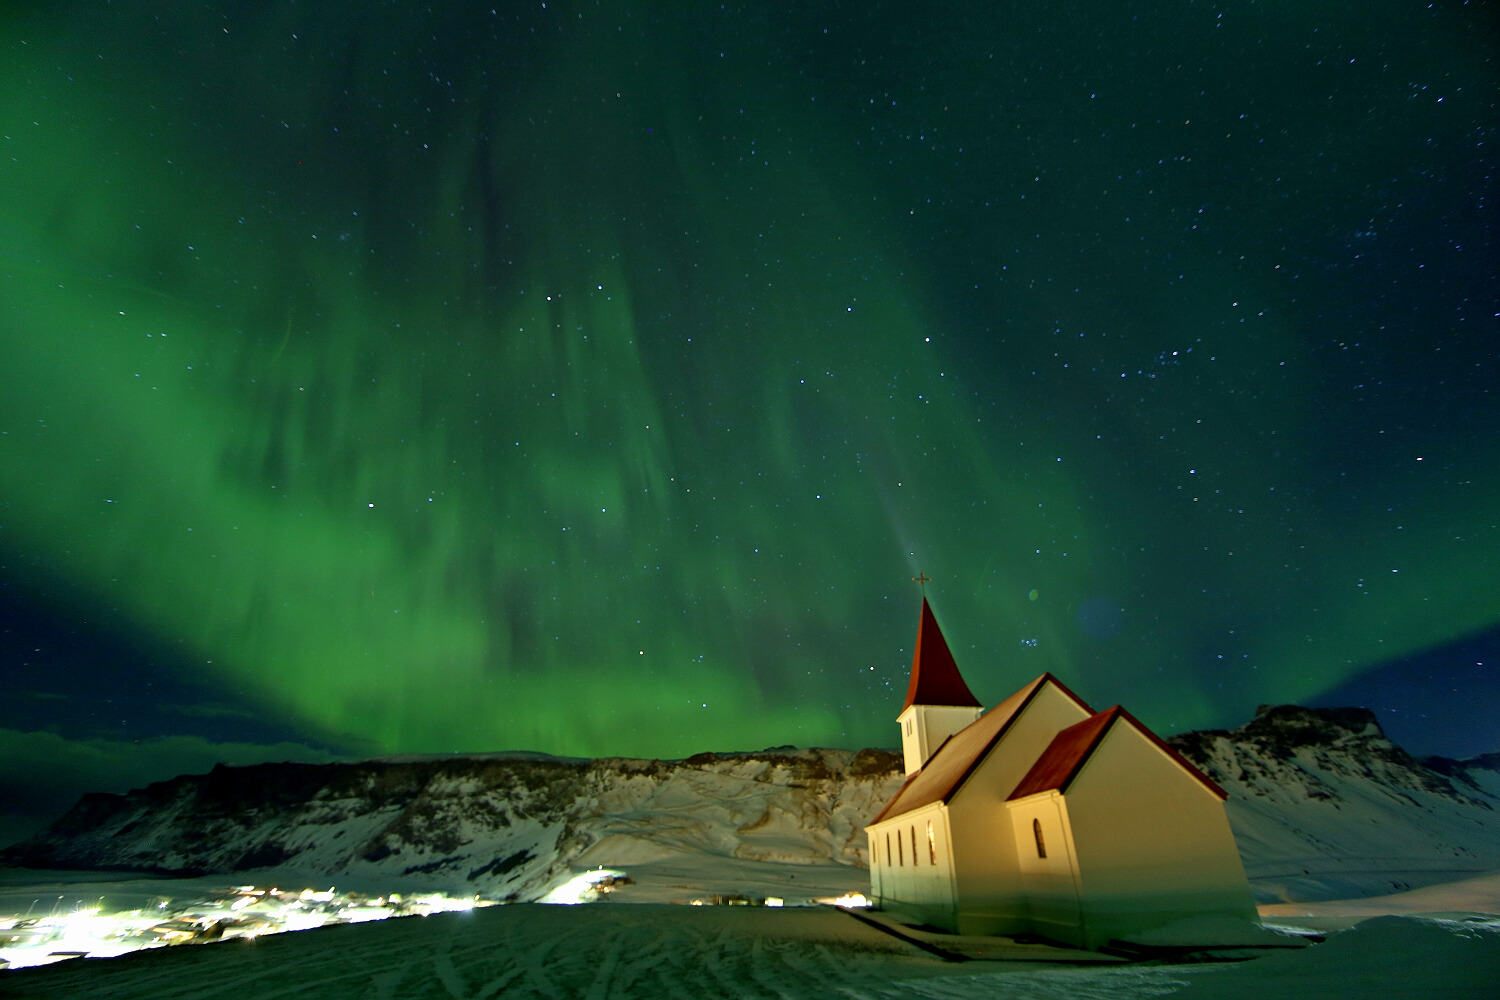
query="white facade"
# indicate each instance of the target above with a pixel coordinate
(912, 860)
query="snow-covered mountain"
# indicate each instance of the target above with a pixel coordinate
(1322, 803)
(506, 825)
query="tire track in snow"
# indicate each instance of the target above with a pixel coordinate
(608, 952)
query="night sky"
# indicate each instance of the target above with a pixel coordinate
(594, 377)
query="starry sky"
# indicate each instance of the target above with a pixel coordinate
(594, 377)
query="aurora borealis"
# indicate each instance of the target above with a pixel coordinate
(594, 377)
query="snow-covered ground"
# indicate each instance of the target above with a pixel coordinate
(663, 951)
(658, 952)
(1478, 894)
(47, 917)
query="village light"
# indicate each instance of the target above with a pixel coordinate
(852, 899)
(80, 917)
(584, 888)
(92, 932)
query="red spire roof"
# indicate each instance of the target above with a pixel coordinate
(935, 679)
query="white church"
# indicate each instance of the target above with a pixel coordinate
(1042, 816)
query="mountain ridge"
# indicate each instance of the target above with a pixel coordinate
(1322, 804)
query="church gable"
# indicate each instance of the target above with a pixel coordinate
(962, 754)
(1147, 838)
(1071, 749)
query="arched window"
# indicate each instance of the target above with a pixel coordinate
(914, 847)
(1041, 845)
(931, 844)
(900, 854)
(887, 850)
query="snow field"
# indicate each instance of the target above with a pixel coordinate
(677, 953)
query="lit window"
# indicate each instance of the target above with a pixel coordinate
(1041, 845)
(931, 844)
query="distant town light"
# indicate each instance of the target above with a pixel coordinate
(584, 888)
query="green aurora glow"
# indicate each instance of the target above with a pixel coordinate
(594, 382)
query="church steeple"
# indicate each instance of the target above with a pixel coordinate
(938, 702)
(935, 679)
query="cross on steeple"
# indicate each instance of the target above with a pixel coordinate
(922, 580)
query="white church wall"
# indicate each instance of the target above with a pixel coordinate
(915, 866)
(1153, 843)
(877, 868)
(990, 897)
(1047, 859)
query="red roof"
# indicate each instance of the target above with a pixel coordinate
(1071, 748)
(952, 763)
(935, 679)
